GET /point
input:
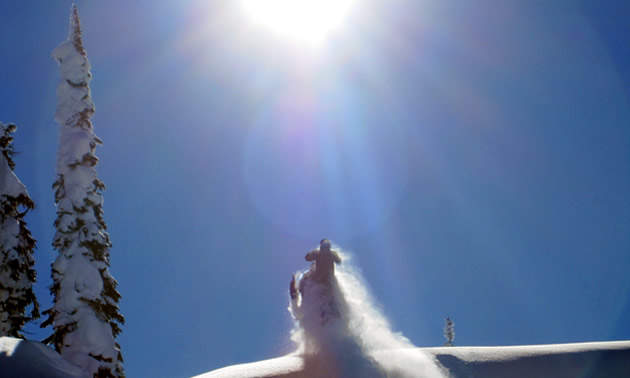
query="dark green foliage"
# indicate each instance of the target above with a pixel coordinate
(75, 32)
(60, 332)
(6, 143)
(449, 331)
(16, 263)
(103, 372)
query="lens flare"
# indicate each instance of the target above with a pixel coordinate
(308, 21)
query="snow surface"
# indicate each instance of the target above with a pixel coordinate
(584, 360)
(30, 359)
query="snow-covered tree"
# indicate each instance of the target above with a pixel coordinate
(16, 245)
(449, 331)
(85, 315)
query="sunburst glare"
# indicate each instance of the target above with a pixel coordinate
(306, 21)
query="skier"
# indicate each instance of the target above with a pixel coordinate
(325, 260)
(322, 269)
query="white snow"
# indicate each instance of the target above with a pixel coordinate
(30, 359)
(595, 359)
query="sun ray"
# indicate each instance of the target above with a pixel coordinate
(307, 21)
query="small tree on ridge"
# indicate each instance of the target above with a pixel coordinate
(449, 331)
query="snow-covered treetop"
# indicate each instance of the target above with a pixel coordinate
(76, 107)
(74, 33)
(10, 185)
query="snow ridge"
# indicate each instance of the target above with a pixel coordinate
(85, 314)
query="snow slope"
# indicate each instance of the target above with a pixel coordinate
(597, 359)
(30, 359)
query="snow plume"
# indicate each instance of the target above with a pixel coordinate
(341, 333)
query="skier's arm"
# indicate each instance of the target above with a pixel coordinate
(310, 256)
(336, 257)
(292, 288)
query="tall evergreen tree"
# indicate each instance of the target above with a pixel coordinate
(85, 315)
(16, 245)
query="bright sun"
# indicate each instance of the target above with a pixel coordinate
(307, 21)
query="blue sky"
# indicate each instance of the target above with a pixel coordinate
(473, 157)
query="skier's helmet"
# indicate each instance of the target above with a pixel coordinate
(324, 244)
